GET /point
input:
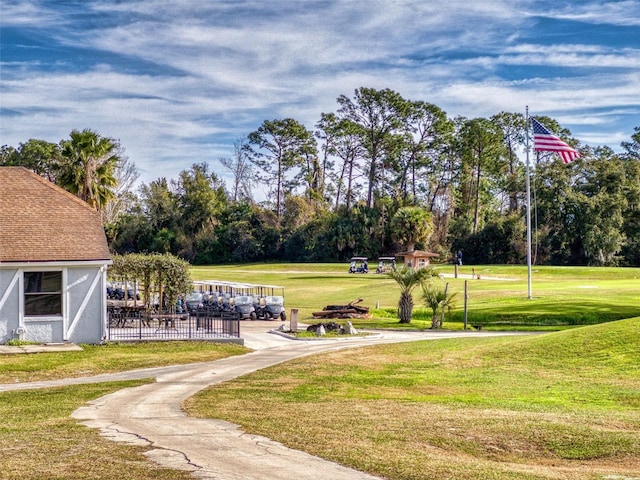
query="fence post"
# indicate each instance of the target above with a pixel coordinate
(293, 325)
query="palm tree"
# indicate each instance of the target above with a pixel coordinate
(88, 167)
(411, 225)
(438, 300)
(408, 279)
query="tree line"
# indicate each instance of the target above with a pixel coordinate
(379, 174)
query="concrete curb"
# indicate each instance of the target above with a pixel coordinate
(325, 338)
(41, 348)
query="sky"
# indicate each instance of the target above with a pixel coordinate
(177, 82)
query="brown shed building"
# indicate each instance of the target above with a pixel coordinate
(416, 258)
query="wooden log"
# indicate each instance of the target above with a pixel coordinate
(357, 308)
(360, 309)
(351, 304)
(329, 313)
(336, 313)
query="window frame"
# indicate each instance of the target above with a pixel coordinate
(59, 293)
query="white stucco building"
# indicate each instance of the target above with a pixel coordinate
(53, 263)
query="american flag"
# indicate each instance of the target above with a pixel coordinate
(545, 141)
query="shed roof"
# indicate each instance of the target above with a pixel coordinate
(41, 222)
(418, 254)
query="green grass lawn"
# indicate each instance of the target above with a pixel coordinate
(39, 439)
(563, 296)
(564, 405)
(112, 357)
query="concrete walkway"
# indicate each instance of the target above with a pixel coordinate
(39, 348)
(151, 415)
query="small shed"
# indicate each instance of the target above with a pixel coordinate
(416, 258)
(53, 263)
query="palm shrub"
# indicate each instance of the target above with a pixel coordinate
(408, 279)
(438, 300)
(411, 225)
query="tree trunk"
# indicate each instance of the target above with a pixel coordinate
(372, 177)
(350, 184)
(405, 307)
(476, 213)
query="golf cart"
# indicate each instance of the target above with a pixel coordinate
(385, 264)
(358, 265)
(271, 307)
(194, 302)
(243, 306)
(244, 300)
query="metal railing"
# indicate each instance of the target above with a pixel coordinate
(139, 324)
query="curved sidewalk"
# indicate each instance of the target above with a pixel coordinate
(151, 414)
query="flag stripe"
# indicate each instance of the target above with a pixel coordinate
(545, 141)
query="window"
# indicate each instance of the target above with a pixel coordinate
(42, 293)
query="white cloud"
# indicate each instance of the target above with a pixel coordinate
(22, 13)
(623, 13)
(176, 81)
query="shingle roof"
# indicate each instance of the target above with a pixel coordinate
(417, 253)
(40, 221)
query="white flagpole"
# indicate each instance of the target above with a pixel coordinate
(529, 291)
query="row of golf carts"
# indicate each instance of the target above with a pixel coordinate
(247, 301)
(360, 264)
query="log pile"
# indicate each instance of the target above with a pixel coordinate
(350, 310)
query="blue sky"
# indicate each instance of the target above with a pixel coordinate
(177, 81)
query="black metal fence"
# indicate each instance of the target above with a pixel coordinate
(139, 324)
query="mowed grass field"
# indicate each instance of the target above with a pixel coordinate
(562, 296)
(560, 405)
